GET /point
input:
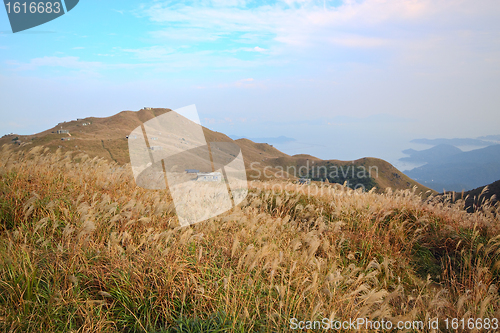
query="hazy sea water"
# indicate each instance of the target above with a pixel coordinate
(347, 142)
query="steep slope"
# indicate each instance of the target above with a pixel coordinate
(106, 138)
(476, 198)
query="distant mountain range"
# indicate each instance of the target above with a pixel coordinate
(435, 154)
(107, 138)
(480, 141)
(451, 169)
(490, 137)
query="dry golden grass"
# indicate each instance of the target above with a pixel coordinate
(82, 249)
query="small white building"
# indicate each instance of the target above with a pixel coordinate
(209, 177)
(304, 181)
(62, 131)
(155, 148)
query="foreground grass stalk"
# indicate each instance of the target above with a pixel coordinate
(84, 250)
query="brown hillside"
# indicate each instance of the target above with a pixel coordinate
(106, 138)
(103, 137)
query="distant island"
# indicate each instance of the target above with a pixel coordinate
(460, 141)
(435, 154)
(448, 168)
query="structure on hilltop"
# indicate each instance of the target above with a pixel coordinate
(209, 176)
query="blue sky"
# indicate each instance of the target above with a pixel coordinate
(321, 72)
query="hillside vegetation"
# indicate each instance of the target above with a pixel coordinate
(83, 249)
(107, 138)
(102, 137)
(477, 198)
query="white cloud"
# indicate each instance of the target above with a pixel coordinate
(74, 66)
(355, 41)
(248, 49)
(65, 62)
(151, 53)
(259, 49)
(304, 23)
(186, 35)
(243, 83)
(432, 36)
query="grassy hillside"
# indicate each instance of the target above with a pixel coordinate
(106, 138)
(476, 198)
(365, 173)
(101, 137)
(82, 249)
